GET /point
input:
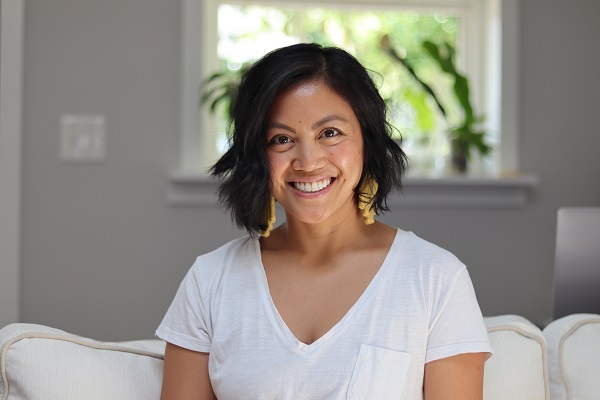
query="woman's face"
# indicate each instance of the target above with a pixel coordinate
(315, 153)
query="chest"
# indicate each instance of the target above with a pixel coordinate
(255, 355)
(312, 301)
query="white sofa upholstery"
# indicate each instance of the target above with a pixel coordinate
(574, 357)
(42, 363)
(38, 362)
(518, 368)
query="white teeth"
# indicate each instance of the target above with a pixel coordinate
(310, 187)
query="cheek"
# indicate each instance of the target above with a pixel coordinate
(277, 164)
(350, 157)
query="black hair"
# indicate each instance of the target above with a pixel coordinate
(244, 170)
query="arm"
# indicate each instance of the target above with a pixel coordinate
(185, 375)
(456, 377)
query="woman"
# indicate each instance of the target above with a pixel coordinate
(330, 304)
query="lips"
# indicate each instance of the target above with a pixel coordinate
(311, 187)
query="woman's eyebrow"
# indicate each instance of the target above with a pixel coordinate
(319, 123)
(281, 126)
(326, 119)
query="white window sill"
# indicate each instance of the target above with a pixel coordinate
(445, 192)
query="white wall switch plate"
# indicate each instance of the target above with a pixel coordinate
(83, 138)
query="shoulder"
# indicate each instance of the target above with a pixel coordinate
(424, 269)
(243, 246)
(426, 257)
(234, 254)
(440, 281)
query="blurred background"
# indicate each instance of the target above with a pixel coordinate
(102, 245)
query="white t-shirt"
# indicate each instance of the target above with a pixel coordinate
(419, 307)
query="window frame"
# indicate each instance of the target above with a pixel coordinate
(491, 63)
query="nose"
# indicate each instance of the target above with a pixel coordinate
(309, 157)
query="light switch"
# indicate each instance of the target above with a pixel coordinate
(83, 138)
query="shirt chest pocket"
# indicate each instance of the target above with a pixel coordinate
(378, 374)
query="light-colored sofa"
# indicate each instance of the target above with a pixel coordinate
(42, 363)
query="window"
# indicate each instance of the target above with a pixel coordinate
(477, 28)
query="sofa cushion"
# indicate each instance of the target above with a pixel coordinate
(518, 368)
(574, 357)
(41, 363)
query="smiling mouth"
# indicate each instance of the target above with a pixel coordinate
(311, 187)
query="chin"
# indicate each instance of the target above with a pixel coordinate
(307, 218)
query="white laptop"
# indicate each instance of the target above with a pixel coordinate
(577, 262)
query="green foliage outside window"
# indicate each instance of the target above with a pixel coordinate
(248, 32)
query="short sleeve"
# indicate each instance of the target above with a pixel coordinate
(458, 328)
(187, 321)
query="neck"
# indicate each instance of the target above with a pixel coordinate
(322, 239)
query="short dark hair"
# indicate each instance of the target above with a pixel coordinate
(244, 170)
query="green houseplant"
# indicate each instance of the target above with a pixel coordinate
(464, 136)
(221, 88)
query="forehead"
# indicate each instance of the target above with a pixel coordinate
(309, 96)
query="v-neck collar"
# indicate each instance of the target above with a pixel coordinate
(279, 324)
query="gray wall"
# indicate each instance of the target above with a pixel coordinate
(103, 252)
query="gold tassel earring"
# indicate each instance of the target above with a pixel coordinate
(271, 218)
(366, 197)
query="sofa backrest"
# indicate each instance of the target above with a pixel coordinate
(41, 363)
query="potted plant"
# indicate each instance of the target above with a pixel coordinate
(464, 136)
(221, 87)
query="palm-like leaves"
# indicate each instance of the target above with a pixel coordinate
(465, 136)
(221, 88)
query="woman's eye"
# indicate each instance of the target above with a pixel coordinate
(280, 140)
(330, 133)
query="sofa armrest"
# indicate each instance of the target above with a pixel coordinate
(39, 362)
(574, 357)
(517, 369)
